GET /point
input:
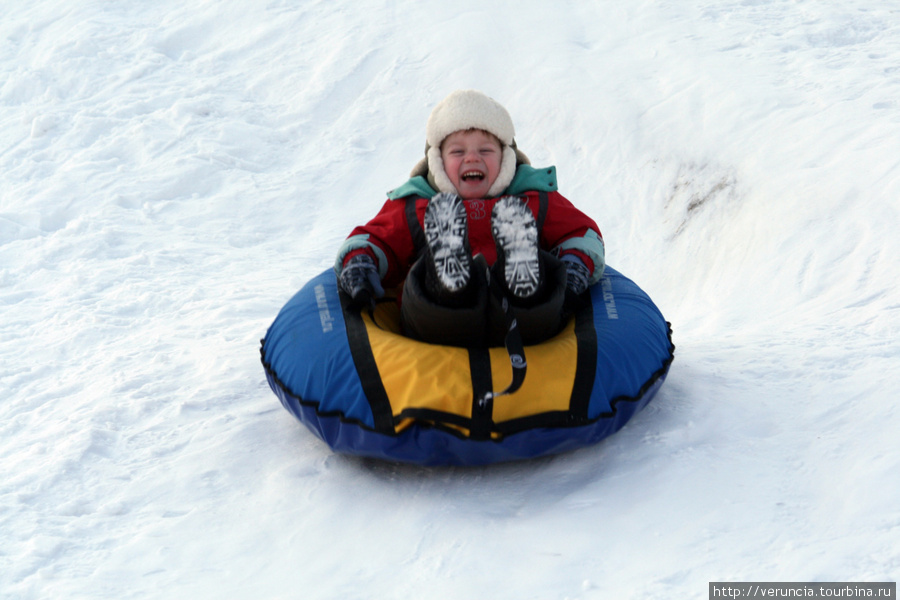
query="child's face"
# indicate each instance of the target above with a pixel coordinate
(472, 161)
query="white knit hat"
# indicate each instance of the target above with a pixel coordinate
(460, 111)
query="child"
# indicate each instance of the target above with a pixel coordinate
(475, 231)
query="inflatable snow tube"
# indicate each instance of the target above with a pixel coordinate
(367, 390)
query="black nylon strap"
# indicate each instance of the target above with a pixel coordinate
(415, 228)
(555, 418)
(366, 367)
(437, 417)
(515, 348)
(543, 206)
(482, 404)
(586, 365)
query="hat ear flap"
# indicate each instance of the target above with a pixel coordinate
(437, 175)
(507, 172)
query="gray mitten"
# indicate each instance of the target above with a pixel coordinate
(577, 274)
(359, 279)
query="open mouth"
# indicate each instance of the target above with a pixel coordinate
(472, 176)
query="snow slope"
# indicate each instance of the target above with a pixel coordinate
(172, 173)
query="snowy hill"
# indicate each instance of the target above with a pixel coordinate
(172, 173)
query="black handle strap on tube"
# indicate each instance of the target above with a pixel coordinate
(516, 350)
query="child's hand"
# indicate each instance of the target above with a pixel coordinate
(577, 274)
(359, 278)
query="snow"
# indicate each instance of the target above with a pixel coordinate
(173, 172)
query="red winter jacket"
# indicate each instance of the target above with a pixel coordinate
(388, 238)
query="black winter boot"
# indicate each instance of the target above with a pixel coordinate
(516, 236)
(449, 264)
